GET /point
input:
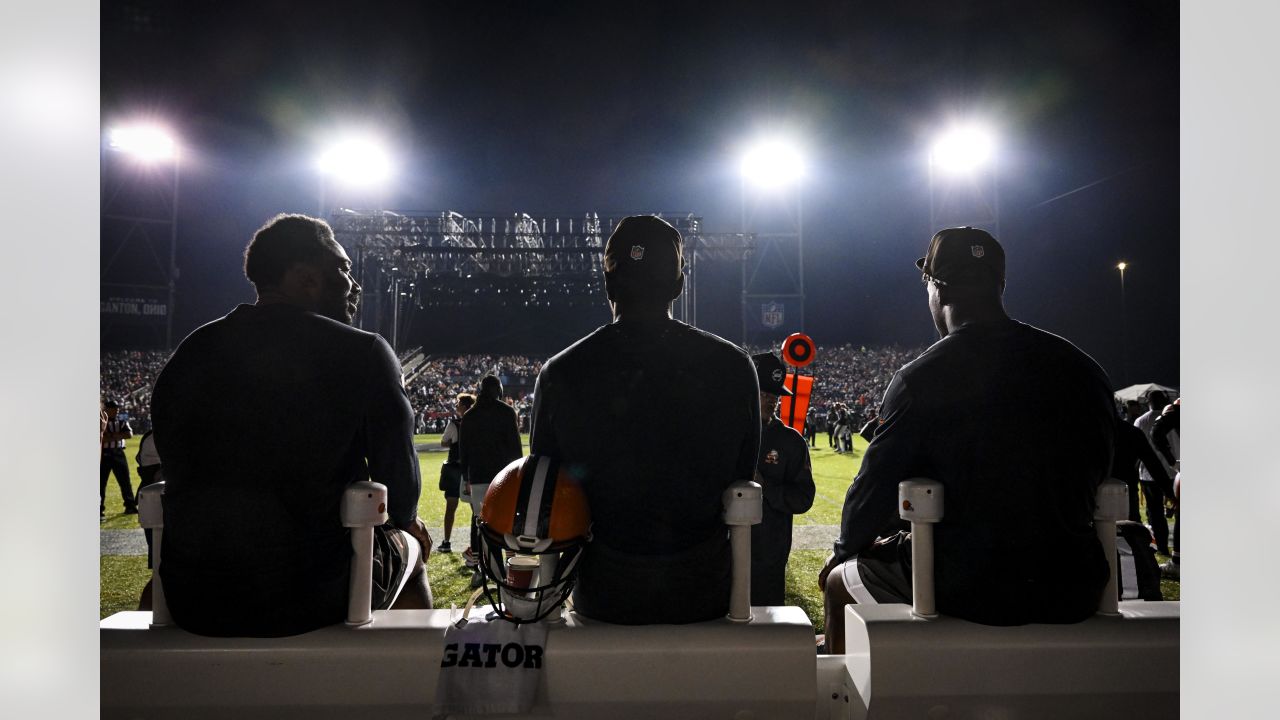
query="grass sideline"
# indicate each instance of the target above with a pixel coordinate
(121, 577)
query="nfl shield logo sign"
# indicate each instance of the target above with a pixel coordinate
(771, 315)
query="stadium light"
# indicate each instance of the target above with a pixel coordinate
(773, 163)
(145, 142)
(152, 143)
(359, 161)
(963, 149)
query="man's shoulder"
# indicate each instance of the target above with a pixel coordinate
(579, 349)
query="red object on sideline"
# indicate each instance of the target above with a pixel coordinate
(792, 409)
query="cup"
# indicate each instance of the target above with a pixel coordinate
(521, 571)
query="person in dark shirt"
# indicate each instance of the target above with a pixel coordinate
(786, 477)
(656, 419)
(263, 418)
(1131, 448)
(488, 440)
(1016, 544)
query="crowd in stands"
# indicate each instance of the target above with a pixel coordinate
(434, 385)
(127, 377)
(854, 375)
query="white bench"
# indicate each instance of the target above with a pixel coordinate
(906, 661)
(758, 662)
(759, 665)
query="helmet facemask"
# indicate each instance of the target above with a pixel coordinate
(533, 525)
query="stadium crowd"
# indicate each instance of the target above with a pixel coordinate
(854, 375)
(127, 377)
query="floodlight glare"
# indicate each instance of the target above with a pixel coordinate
(357, 161)
(772, 164)
(145, 142)
(963, 150)
(1122, 266)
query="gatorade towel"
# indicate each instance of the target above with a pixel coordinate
(792, 409)
(490, 666)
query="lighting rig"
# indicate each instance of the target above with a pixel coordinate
(451, 260)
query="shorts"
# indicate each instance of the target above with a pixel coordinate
(396, 554)
(450, 479)
(882, 572)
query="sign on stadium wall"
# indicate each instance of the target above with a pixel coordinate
(133, 307)
(770, 316)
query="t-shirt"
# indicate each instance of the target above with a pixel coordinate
(263, 418)
(655, 418)
(1018, 426)
(488, 440)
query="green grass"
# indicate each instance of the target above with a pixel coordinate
(122, 577)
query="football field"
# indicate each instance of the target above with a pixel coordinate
(123, 567)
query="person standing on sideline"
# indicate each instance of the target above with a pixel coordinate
(488, 440)
(786, 477)
(451, 471)
(1153, 492)
(112, 460)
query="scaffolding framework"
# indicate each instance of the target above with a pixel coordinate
(451, 259)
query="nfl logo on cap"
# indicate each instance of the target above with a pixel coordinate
(637, 252)
(977, 250)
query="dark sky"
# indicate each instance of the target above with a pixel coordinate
(567, 107)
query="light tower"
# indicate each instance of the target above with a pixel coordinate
(140, 167)
(963, 179)
(772, 172)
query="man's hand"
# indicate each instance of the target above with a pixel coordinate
(826, 570)
(419, 532)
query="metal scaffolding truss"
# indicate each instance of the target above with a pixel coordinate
(451, 259)
(450, 245)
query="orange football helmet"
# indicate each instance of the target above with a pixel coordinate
(534, 523)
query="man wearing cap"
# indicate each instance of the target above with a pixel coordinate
(784, 473)
(1016, 543)
(112, 460)
(626, 408)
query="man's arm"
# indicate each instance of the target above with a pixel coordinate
(748, 401)
(872, 499)
(542, 433)
(1160, 430)
(389, 436)
(450, 436)
(1149, 460)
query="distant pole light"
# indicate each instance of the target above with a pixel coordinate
(1121, 266)
(356, 161)
(145, 142)
(963, 149)
(773, 163)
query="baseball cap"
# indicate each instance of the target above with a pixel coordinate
(963, 256)
(111, 403)
(643, 250)
(771, 373)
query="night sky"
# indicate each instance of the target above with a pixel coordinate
(567, 107)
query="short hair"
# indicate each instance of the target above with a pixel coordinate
(490, 387)
(284, 241)
(1157, 399)
(466, 399)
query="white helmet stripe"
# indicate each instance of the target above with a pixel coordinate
(538, 485)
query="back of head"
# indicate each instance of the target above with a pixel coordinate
(643, 263)
(1156, 400)
(967, 261)
(466, 400)
(285, 240)
(490, 387)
